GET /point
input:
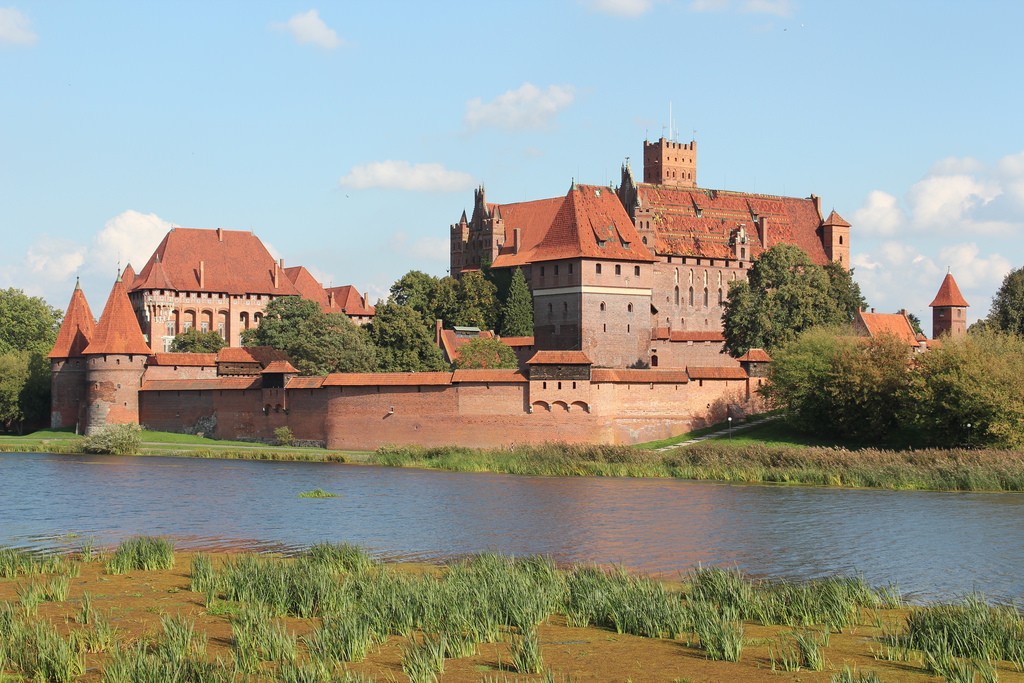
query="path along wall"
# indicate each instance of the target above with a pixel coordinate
(433, 410)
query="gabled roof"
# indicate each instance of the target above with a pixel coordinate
(118, 330)
(517, 341)
(282, 367)
(233, 262)
(452, 342)
(696, 336)
(304, 383)
(949, 294)
(699, 222)
(716, 373)
(183, 359)
(755, 356)
(308, 286)
(877, 324)
(559, 358)
(77, 328)
(349, 301)
(589, 222)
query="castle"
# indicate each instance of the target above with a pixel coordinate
(628, 286)
(638, 275)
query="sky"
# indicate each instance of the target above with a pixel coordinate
(350, 136)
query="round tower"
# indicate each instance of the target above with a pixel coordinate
(115, 360)
(67, 365)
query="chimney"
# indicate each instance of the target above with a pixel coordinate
(816, 200)
(330, 299)
(437, 331)
(366, 300)
(202, 275)
(517, 240)
(872, 309)
(220, 234)
(762, 231)
(277, 275)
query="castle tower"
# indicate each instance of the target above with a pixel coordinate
(949, 310)
(114, 362)
(835, 237)
(670, 163)
(67, 365)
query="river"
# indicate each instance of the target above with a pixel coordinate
(935, 546)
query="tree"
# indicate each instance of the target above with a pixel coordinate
(517, 313)
(785, 294)
(404, 342)
(486, 353)
(418, 291)
(831, 383)
(317, 343)
(1007, 312)
(28, 330)
(915, 323)
(477, 301)
(197, 341)
(974, 380)
(844, 290)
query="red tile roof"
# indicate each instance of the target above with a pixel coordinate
(451, 342)
(118, 330)
(589, 223)
(949, 294)
(280, 367)
(559, 358)
(264, 355)
(201, 384)
(835, 220)
(895, 324)
(233, 262)
(755, 356)
(697, 336)
(698, 222)
(716, 373)
(349, 301)
(518, 341)
(305, 382)
(623, 375)
(370, 379)
(128, 276)
(532, 219)
(499, 376)
(183, 359)
(76, 329)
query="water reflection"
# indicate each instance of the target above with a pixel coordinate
(935, 545)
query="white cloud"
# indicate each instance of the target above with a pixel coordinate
(943, 201)
(129, 237)
(971, 270)
(307, 28)
(526, 107)
(404, 175)
(956, 165)
(55, 257)
(621, 8)
(424, 249)
(880, 215)
(15, 28)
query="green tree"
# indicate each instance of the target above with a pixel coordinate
(843, 290)
(785, 294)
(197, 341)
(831, 383)
(486, 353)
(517, 313)
(28, 329)
(915, 323)
(1007, 312)
(404, 342)
(418, 291)
(14, 373)
(477, 301)
(975, 380)
(317, 343)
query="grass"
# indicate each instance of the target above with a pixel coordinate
(317, 493)
(143, 552)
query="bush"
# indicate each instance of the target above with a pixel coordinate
(114, 440)
(284, 436)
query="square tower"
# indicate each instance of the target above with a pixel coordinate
(670, 163)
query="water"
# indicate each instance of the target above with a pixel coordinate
(934, 545)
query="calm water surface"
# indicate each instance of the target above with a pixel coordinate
(934, 545)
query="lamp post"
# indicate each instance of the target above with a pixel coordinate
(730, 425)
(968, 434)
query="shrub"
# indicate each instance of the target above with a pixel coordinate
(284, 436)
(114, 440)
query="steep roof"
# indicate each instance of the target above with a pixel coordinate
(233, 262)
(699, 222)
(452, 342)
(128, 276)
(77, 328)
(949, 294)
(835, 220)
(895, 324)
(308, 286)
(588, 223)
(264, 355)
(349, 301)
(118, 330)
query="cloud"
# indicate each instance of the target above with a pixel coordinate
(15, 28)
(55, 257)
(973, 271)
(779, 8)
(944, 200)
(523, 108)
(620, 8)
(307, 28)
(880, 215)
(423, 249)
(129, 237)
(403, 175)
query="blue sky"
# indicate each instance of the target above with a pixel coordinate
(349, 136)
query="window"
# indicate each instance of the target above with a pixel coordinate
(570, 269)
(705, 297)
(556, 269)
(598, 268)
(542, 271)
(677, 296)
(691, 297)
(204, 326)
(629, 308)
(170, 328)
(840, 239)
(220, 330)
(654, 361)
(618, 269)
(602, 306)
(188, 325)
(720, 298)
(677, 274)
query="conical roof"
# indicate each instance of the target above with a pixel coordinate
(949, 294)
(835, 220)
(77, 329)
(118, 330)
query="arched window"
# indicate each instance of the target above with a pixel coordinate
(618, 269)
(654, 361)
(720, 298)
(705, 297)
(677, 276)
(565, 310)
(677, 295)
(691, 276)
(602, 306)
(691, 297)
(629, 308)
(551, 310)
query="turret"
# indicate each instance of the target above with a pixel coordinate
(115, 360)
(835, 238)
(949, 310)
(68, 366)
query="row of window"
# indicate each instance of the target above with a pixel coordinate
(721, 296)
(618, 269)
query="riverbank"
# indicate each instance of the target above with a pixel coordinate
(335, 611)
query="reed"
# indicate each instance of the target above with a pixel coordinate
(525, 653)
(202, 577)
(38, 652)
(15, 562)
(340, 557)
(317, 493)
(30, 596)
(343, 638)
(256, 637)
(720, 631)
(141, 553)
(848, 675)
(100, 638)
(628, 604)
(422, 662)
(56, 589)
(971, 629)
(301, 589)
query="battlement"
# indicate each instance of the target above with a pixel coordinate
(667, 162)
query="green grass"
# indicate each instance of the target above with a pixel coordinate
(317, 493)
(144, 553)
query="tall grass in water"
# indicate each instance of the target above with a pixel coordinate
(38, 652)
(202, 577)
(256, 638)
(627, 604)
(971, 629)
(14, 562)
(340, 557)
(526, 657)
(301, 588)
(343, 638)
(143, 553)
